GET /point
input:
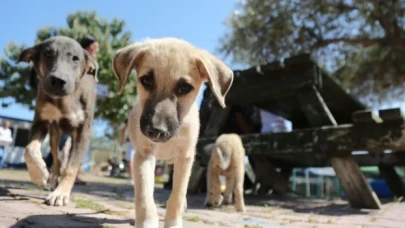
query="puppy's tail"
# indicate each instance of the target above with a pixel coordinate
(224, 158)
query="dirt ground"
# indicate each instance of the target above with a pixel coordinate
(108, 202)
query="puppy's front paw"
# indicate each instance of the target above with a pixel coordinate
(149, 223)
(173, 223)
(214, 203)
(36, 166)
(240, 208)
(227, 201)
(58, 198)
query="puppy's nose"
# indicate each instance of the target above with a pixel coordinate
(57, 83)
(155, 132)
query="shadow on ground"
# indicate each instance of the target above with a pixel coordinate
(72, 220)
(195, 201)
(307, 205)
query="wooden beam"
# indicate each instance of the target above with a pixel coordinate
(302, 59)
(366, 116)
(331, 139)
(358, 191)
(392, 179)
(388, 172)
(260, 84)
(392, 115)
(322, 160)
(217, 120)
(268, 177)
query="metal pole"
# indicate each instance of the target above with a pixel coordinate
(307, 184)
(294, 181)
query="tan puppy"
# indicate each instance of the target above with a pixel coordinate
(227, 159)
(163, 123)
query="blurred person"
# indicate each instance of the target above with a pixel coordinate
(5, 140)
(91, 45)
(273, 123)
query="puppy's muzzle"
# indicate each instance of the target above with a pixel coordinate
(57, 83)
(158, 131)
(57, 86)
(156, 134)
(159, 120)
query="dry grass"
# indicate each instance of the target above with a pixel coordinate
(88, 204)
(192, 218)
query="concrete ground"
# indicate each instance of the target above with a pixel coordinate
(108, 202)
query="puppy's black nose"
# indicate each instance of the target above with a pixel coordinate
(155, 133)
(57, 83)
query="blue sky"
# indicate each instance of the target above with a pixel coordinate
(199, 22)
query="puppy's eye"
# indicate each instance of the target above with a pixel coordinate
(147, 81)
(48, 54)
(183, 88)
(75, 58)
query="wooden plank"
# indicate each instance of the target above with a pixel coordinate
(339, 139)
(335, 95)
(358, 191)
(217, 120)
(315, 108)
(260, 84)
(394, 114)
(322, 160)
(260, 169)
(197, 178)
(298, 60)
(268, 177)
(388, 172)
(366, 116)
(392, 179)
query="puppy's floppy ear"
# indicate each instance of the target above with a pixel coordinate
(219, 76)
(127, 59)
(91, 65)
(26, 55)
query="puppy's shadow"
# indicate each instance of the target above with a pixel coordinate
(69, 220)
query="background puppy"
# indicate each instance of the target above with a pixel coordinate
(227, 159)
(65, 103)
(164, 122)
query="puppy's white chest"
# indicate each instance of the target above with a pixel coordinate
(52, 113)
(76, 117)
(163, 153)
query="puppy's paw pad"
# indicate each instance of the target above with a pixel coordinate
(36, 167)
(57, 198)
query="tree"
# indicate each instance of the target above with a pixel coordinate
(111, 36)
(361, 41)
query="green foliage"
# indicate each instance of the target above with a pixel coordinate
(111, 36)
(364, 41)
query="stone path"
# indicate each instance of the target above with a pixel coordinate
(107, 202)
